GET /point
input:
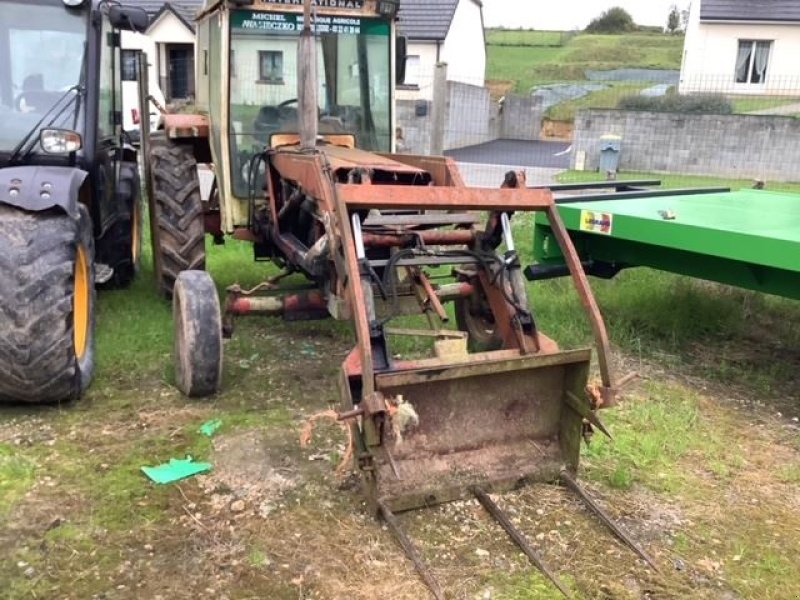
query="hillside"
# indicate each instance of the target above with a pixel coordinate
(538, 58)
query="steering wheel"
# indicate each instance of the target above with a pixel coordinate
(286, 103)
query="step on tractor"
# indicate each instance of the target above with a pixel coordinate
(70, 214)
(295, 113)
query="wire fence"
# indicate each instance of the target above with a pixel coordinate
(622, 123)
(693, 132)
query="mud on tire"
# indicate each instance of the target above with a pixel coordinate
(47, 303)
(198, 334)
(179, 235)
(121, 246)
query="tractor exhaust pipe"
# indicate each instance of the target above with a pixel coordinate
(307, 83)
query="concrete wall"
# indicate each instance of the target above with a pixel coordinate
(470, 117)
(765, 147)
(709, 57)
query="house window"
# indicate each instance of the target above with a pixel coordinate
(270, 66)
(412, 71)
(752, 60)
(128, 59)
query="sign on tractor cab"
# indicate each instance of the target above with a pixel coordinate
(292, 24)
(347, 4)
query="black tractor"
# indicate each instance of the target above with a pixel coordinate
(70, 211)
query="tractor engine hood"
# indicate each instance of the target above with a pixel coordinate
(352, 165)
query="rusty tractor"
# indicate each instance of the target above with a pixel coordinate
(306, 174)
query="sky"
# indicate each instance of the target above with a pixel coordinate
(571, 14)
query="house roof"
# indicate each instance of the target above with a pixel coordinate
(426, 19)
(750, 10)
(185, 10)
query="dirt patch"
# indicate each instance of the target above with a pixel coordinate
(249, 475)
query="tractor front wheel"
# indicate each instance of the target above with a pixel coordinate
(474, 316)
(47, 303)
(198, 334)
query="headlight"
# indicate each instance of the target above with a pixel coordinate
(60, 141)
(74, 3)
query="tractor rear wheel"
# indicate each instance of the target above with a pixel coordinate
(198, 334)
(47, 303)
(121, 246)
(179, 230)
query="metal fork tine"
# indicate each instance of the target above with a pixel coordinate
(621, 534)
(411, 551)
(518, 538)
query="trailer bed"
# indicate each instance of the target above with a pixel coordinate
(746, 238)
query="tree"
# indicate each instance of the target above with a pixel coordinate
(614, 20)
(673, 20)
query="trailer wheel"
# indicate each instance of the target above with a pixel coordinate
(198, 334)
(47, 303)
(121, 246)
(474, 316)
(179, 233)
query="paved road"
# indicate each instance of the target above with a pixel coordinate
(550, 155)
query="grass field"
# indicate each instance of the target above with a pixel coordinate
(510, 37)
(530, 66)
(704, 468)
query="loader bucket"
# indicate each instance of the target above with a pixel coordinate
(496, 420)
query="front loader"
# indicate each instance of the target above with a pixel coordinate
(311, 182)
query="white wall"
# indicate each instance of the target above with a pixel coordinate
(464, 48)
(168, 29)
(427, 63)
(709, 57)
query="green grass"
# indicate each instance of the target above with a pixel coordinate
(606, 98)
(651, 437)
(16, 477)
(744, 104)
(526, 37)
(529, 66)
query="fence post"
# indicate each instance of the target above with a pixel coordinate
(439, 109)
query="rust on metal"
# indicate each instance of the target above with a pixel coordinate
(421, 198)
(185, 126)
(588, 301)
(454, 237)
(518, 538)
(411, 552)
(569, 481)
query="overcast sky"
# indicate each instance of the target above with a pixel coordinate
(571, 14)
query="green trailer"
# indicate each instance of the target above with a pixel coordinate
(747, 238)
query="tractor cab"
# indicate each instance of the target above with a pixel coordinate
(253, 96)
(42, 78)
(59, 79)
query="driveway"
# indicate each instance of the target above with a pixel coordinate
(551, 155)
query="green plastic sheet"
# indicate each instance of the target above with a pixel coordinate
(175, 470)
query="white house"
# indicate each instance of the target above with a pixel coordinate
(442, 31)
(742, 47)
(169, 45)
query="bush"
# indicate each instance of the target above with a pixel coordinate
(699, 103)
(614, 20)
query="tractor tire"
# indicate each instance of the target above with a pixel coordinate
(121, 246)
(47, 305)
(471, 317)
(179, 232)
(198, 334)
